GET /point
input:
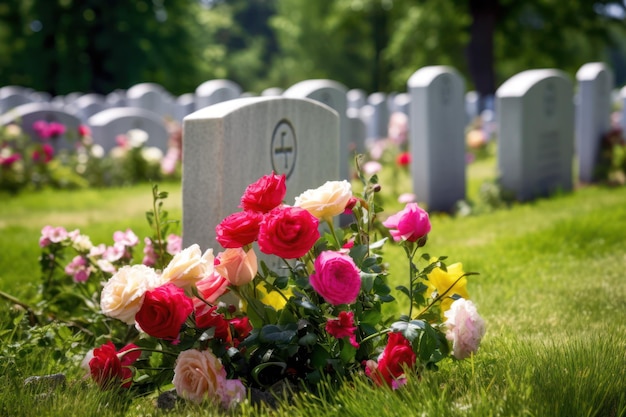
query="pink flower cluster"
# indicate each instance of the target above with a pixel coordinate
(46, 130)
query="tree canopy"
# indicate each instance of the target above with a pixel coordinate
(61, 46)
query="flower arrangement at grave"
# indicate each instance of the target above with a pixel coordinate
(220, 326)
(35, 163)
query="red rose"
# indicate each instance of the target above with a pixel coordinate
(163, 312)
(288, 232)
(398, 354)
(403, 159)
(108, 370)
(207, 317)
(265, 194)
(241, 327)
(239, 229)
(342, 327)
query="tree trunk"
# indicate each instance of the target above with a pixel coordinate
(480, 57)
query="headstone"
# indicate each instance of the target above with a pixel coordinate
(216, 91)
(108, 124)
(380, 116)
(148, 96)
(116, 98)
(185, 105)
(27, 114)
(593, 115)
(401, 103)
(333, 94)
(86, 106)
(230, 145)
(536, 133)
(12, 96)
(472, 105)
(366, 113)
(436, 137)
(357, 131)
(272, 92)
(357, 98)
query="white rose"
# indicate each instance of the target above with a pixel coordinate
(465, 328)
(123, 293)
(326, 201)
(137, 137)
(188, 267)
(152, 155)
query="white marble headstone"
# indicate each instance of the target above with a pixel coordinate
(216, 91)
(436, 137)
(357, 98)
(12, 96)
(380, 116)
(232, 144)
(149, 96)
(536, 133)
(108, 124)
(593, 115)
(87, 105)
(333, 94)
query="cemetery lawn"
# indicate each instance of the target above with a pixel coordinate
(551, 290)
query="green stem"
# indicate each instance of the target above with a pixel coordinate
(157, 225)
(410, 250)
(443, 294)
(379, 333)
(332, 232)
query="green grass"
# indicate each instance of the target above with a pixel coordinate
(551, 289)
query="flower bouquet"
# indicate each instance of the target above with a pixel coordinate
(219, 328)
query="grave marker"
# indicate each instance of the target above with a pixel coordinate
(436, 136)
(107, 124)
(536, 133)
(232, 144)
(149, 96)
(216, 91)
(333, 94)
(593, 115)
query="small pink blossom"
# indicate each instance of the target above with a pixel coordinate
(372, 167)
(41, 129)
(406, 198)
(56, 129)
(174, 244)
(127, 238)
(50, 234)
(79, 269)
(84, 131)
(149, 255)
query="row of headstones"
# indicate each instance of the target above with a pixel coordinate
(229, 145)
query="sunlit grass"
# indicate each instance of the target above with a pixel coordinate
(551, 289)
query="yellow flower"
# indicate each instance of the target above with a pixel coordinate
(272, 299)
(444, 282)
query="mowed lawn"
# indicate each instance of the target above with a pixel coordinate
(551, 289)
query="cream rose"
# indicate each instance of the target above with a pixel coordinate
(326, 201)
(237, 266)
(198, 376)
(188, 267)
(123, 293)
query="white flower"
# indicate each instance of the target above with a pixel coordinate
(465, 328)
(123, 294)
(97, 151)
(137, 137)
(152, 155)
(82, 243)
(326, 201)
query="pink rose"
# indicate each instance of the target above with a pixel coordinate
(239, 229)
(265, 194)
(210, 288)
(465, 328)
(174, 244)
(342, 327)
(237, 266)
(50, 234)
(199, 376)
(163, 312)
(411, 223)
(336, 278)
(288, 232)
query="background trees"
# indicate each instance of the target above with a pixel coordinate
(61, 46)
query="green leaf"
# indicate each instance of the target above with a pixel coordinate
(378, 244)
(367, 281)
(371, 317)
(276, 335)
(410, 330)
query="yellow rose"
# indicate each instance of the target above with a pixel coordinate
(326, 201)
(199, 376)
(273, 298)
(188, 267)
(237, 266)
(441, 281)
(123, 293)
